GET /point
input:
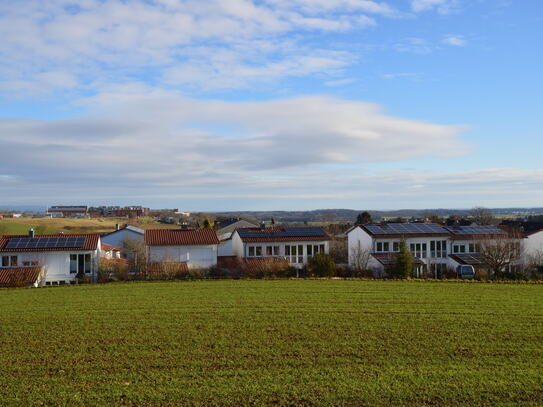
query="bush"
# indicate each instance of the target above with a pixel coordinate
(322, 265)
(510, 275)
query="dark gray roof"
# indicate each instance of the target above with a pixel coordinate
(475, 230)
(282, 233)
(400, 229)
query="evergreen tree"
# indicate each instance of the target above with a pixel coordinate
(207, 224)
(404, 262)
(363, 218)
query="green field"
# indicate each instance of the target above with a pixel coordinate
(308, 342)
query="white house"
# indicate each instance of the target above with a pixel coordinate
(296, 244)
(428, 242)
(195, 247)
(436, 248)
(62, 258)
(121, 235)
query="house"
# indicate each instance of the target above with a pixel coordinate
(427, 242)
(229, 225)
(63, 259)
(68, 211)
(296, 244)
(436, 248)
(125, 237)
(196, 247)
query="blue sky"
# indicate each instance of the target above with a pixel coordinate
(272, 104)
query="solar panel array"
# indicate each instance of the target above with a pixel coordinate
(405, 228)
(476, 230)
(46, 242)
(283, 232)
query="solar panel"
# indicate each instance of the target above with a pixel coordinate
(283, 232)
(45, 242)
(405, 228)
(476, 230)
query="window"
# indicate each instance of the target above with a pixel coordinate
(87, 263)
(379, 247)
(9, 261)
(321, 248)
(287, 250)
(73, 263)
(457, 248)
(301, 253)
(80, 263)
(438, 248)
(294, 254)
(30, 263)
(419, 250)
(251, 251)
(396, 246)
(258, 251)
(276, 250)
(309, 250)
(269, 251)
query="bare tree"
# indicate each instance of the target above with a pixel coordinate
(359, 260)
(501, 251)
(483, 216)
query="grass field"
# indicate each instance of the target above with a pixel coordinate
(55, 225)
(312, 342)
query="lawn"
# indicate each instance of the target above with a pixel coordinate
(67, 225)
(284, 342)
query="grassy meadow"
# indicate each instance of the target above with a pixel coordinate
(66, 225)
(273, 342)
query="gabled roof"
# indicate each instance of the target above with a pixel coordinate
(88, 242)
(19, 276)
(282, 234)
(180, 237)
(127, 227)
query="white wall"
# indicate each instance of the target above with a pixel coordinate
(533, 244)
(226, 248)
(241, 249)
(358, 239)
(195, 256)
(116, 238)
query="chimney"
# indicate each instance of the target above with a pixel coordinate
(31, 233)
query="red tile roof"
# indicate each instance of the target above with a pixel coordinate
(91, 243)
(109, 248)
(180, 237)
(19, 276)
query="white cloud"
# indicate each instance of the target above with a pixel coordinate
(442, 6)
(455, 40)
(100, 39)
(140, 139)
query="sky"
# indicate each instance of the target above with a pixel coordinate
(224, 105)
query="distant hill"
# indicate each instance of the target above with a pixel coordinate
(349, 215)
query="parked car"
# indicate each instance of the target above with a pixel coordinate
(465, 272)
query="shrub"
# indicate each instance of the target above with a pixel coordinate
(322, 265)
(404, 263)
